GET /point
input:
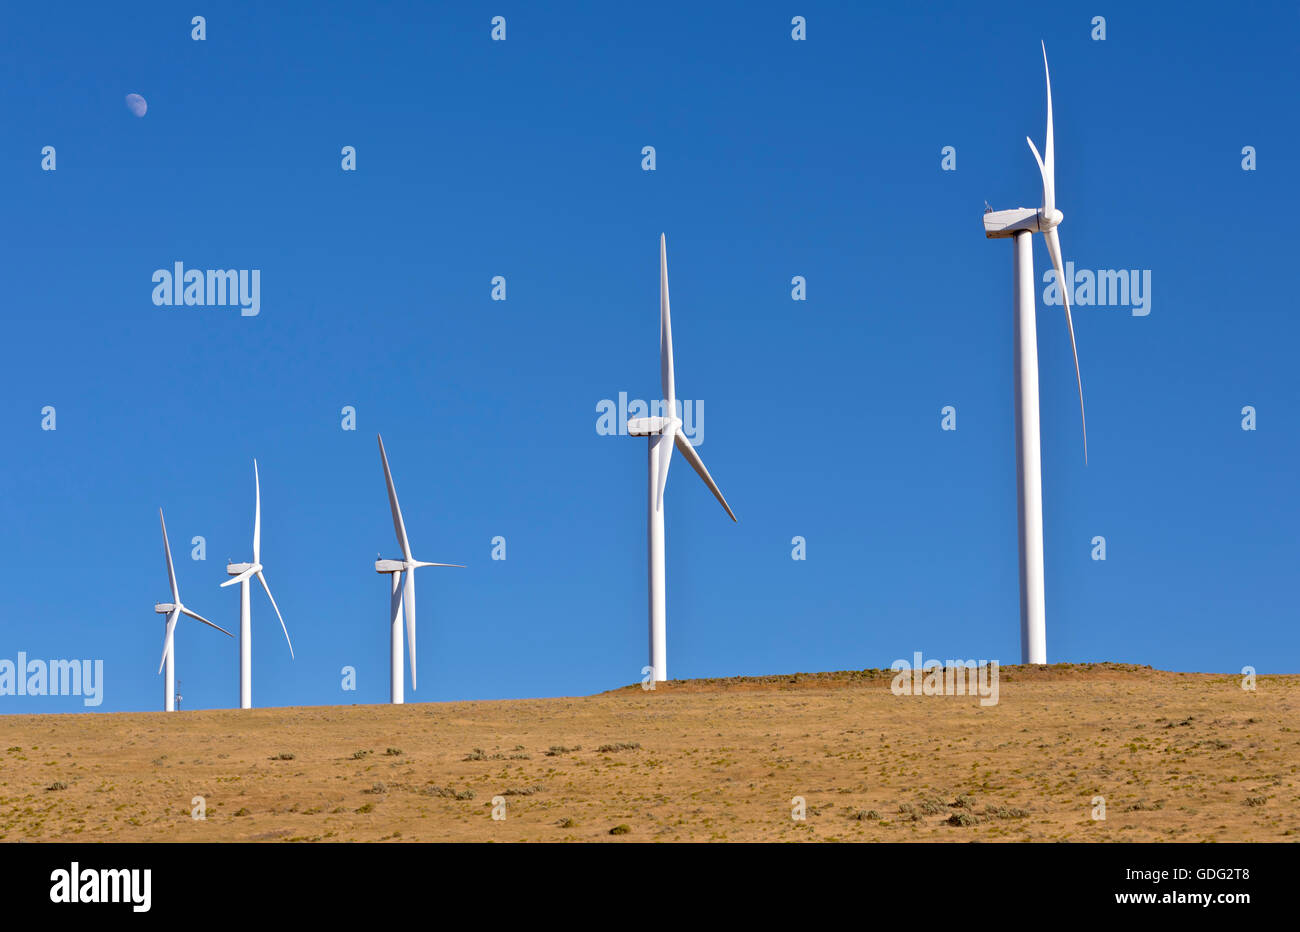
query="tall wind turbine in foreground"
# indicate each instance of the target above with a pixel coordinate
(402, 598)
(173, 610)
(664, 432)
(243, 574)
(1020, 224)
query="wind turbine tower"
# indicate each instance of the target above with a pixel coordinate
(401, 596)
(173, 610)
(243, 574)
(1020, 224)
(664, 433)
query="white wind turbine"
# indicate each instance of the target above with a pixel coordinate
(173, 610)
(243, 574)
(665, 432)
(1020, 224)
(402, 598)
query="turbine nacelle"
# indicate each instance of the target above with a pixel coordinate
(164, 608)
(1004, 224)
(242, 572)
(652, 426)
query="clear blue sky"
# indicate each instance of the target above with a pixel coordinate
(775, 158)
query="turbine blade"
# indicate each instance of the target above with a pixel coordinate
(457, 565)
(667, 379)
(171, 570)
(1047, 166)
(257, 517)
(236, 579)
(408, 606)
(398, 524)
(262, 580)
(1049, 195)
(169, 637)
(1054, 247)
(693, 457)
(665, 445)
(1050, 156)
(197, 617)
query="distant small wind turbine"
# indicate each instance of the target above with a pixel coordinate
(1021, 223)
(173, 610)
(400, 600)
(665, 432)
(243, 573)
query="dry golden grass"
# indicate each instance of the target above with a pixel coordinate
(1177, 756)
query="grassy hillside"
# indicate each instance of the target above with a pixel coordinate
(1177, 756)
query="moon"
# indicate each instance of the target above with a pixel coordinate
(136, 104)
